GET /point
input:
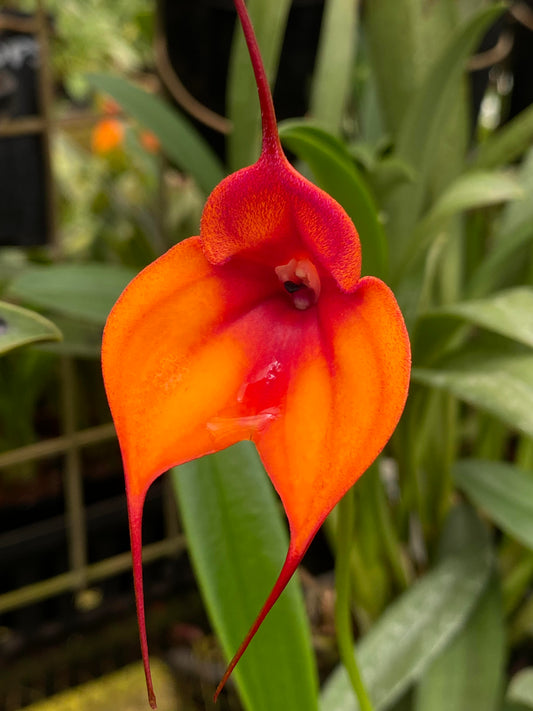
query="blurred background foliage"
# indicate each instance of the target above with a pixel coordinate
(415, 115)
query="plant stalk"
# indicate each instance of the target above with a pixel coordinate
(343, 621)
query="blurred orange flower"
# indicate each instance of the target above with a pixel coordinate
(107, 136)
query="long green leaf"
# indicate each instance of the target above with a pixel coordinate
(425, 122)
(19, 327)
(238, 542)
(81, 339)
(269, 18)
(414, 629)
(504, 492)
(468, 191)
(392, 30)
(510, 238)
(334, 62)
(507, 143)
(493, 267)
(84, 291)
(426, 114)
(468, 674)
(336, 173)
(179, 139)
(509, 313)
(498, 382)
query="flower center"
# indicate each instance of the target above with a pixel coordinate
(301, 282)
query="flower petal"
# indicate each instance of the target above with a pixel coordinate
(171, 366)
(346, 392)
(280, 214)
(343, 402)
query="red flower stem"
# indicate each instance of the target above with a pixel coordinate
(271, 143)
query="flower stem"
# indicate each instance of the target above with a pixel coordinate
(343, 621)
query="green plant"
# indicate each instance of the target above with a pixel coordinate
(440, 560)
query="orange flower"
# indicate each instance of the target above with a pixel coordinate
(107, 136)
(260, 328)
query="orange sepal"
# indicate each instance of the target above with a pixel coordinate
(346, 393)
(270, 209)
(170, 367)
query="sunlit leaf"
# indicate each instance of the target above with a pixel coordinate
(468, 674)
(508, 143)
(416, 628)
(179, 139)
(469, 191)
(509, 313)
(238, 542)
(502, 491)
(19, 327)
(498, 382)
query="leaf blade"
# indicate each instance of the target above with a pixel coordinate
(508, 313)
(500, 383)
(85, 291)
(404, 641)
(20, 327)
(178, 138)
(238, 542)
(503, 491)
(468, 674)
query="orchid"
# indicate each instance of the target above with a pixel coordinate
(259, 328)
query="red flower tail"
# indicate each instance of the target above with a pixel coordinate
(135, 512)
(294, 556)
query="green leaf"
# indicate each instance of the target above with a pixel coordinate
(334, 62)
(508, 143)
(468, 191)
(238, 543)
(473, 190)
(81, 339)
(502, 491)
(496, 381)
(509, 313)
(493, 266)
(426, 114)
(521, 688)
(269, 18)
(19, 327)
(406, 639)
(425, 121)
(468, 674)
(336, 173)
(179, 139)
(509, 240)
(84, 291)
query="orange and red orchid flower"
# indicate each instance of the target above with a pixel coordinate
(260, 328)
